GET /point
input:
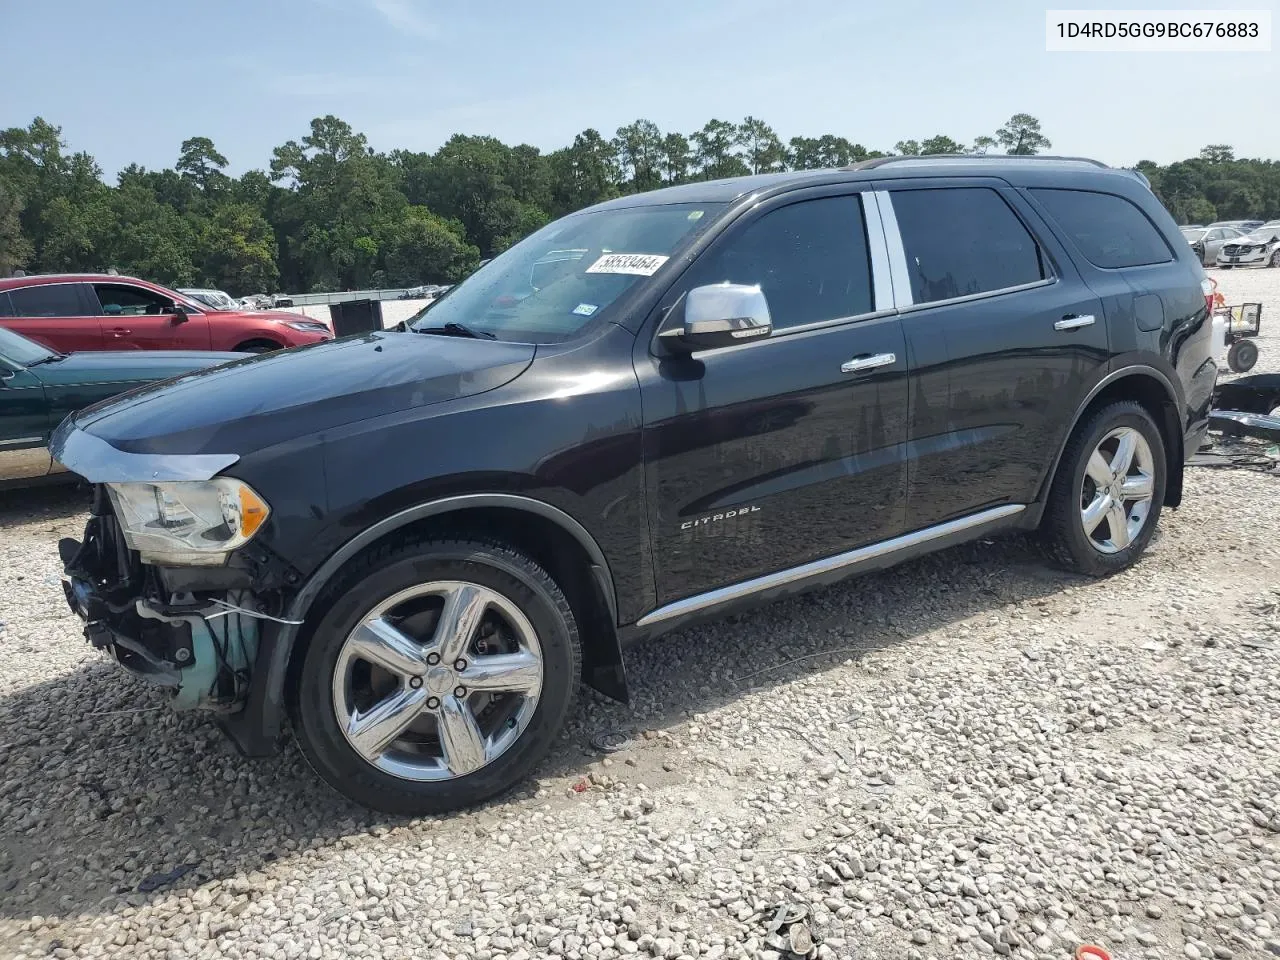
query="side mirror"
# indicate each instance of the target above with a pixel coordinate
(720, 315)
(180, 313)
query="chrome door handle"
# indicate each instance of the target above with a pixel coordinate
(1075, 323)
(858, 364)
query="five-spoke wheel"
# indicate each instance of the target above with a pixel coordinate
(439, 675)
(1106, 496)
(438, 680)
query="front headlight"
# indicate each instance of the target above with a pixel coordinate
(188, 522)
(314, 326)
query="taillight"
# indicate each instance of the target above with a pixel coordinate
(1208, 286)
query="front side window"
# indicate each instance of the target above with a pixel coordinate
(963, 241)
(120, 300)
(809, 258)
(553, 283)
(47, 300)
(1110, 231)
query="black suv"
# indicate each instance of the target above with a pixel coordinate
(415, 544)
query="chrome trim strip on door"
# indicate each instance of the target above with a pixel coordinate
(881, 274)
(714, 598)
(22, 442)
(897, 253)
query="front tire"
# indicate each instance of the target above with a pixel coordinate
(441, 673)
(1106, 496)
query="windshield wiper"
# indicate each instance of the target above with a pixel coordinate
(52, 358)
(452, 329)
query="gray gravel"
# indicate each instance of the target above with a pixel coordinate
(976, 756)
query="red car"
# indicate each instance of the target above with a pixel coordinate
(70, 312)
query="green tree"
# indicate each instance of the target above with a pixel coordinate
(763, 152)
(426, 248)
(907, 148)
(941, 143)
(15, 249)
(1021, 136)
(983, 144)
(713, 151)
(677, 158)
(237, 251)
(638, 147)
(1217, 153)
(201, 163)
(826, 151)
(584, 173)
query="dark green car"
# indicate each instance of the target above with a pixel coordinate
(39, 387)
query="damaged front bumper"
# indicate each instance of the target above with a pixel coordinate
(199, 647)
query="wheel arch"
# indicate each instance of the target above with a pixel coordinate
(1152, 389)
(550, 536)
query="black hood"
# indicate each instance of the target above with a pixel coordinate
(267, 399)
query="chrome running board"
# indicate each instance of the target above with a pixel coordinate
(714, 598)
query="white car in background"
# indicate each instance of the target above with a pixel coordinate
(214, 299)
(1259, 248)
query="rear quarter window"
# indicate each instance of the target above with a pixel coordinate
(1110, 231)
(47, 300)
(5, 309)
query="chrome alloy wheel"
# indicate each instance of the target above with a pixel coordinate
(438, 680)
(1116, 493)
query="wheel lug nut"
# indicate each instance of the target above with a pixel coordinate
(433, 703)
(433, 658)
(415, 682)
(459, 692)
(460, 665)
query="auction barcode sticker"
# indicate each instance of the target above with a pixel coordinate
(640, 264)
(1155, 31)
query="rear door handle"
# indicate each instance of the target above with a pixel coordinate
(1075, 322)
(858, 364)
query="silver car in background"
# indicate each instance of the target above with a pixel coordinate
(1207, 241)
(1261, 248)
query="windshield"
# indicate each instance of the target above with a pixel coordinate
(1264, 234)
(550, 285)
(19, 350)
(1193, 235)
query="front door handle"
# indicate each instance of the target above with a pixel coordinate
(1075, 321)
(858, 364)
(119, 332)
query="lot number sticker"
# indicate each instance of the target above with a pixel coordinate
(638, 264)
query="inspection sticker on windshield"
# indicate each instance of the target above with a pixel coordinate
(585, 309)
(639, 264)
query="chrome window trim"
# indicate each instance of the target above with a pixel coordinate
(899, 275)
(99, 462)
(110, 281)
(19, 441)
(714, 598)
(970, 297)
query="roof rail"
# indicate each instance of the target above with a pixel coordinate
(882, 161)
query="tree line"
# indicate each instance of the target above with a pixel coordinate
(330, 213)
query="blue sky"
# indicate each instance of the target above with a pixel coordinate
(130, 80)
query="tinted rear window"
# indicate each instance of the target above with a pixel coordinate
(963, 241)
(1110, 231)
(47, 300)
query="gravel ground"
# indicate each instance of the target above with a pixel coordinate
(976, 755)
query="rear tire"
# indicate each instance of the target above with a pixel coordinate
(1242, 356)
(1097, 521)
(258, 346)
(342, 696)
(1275, 259)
